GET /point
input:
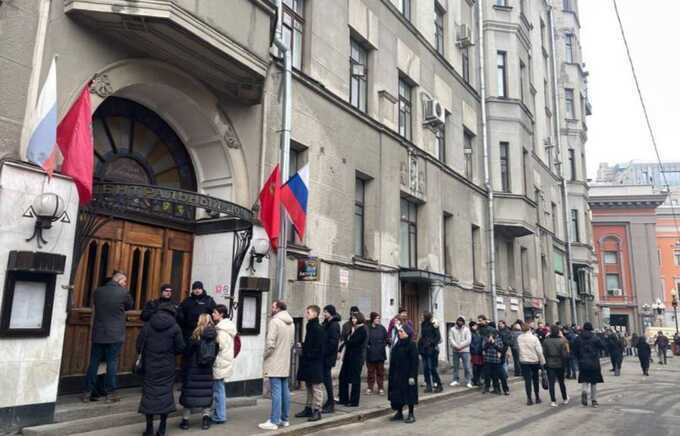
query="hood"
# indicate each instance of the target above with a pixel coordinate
(162, 321)
(285, 317)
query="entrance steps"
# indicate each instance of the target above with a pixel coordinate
(72, 416)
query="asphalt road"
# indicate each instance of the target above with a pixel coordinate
(629, 405)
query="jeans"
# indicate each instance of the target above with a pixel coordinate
(662, 356)
(492, 374)
(556, 374)
(572, 367)
(477, 374)
(593, 390)
(530, 372)
(376, 375)
(430, 363)
(219, 401)
(109, 353)
(465, 357)
(515, 361)
(280, 400)
(328, 384)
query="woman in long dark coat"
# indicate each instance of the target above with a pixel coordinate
(197, 384)
(587, 349)
(353, 361)
(159, 342)
(644, 353)
(403, 378)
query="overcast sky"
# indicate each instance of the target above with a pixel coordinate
(617, 131)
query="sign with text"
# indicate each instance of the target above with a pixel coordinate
(308, 269)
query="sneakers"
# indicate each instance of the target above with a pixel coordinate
(316, 416)
(381, 392)
(399, 416)
(284, 424)
(584, 399)
(306, 413)
(538, 400)
(268, 426)
(470, 386)
(454, 383)
(184, 424)
(86, 397)
(530, 402)
(596, 404)
(410, 419)
(328, 408)
(553, 404)
(112, 398)
(438, 389)
(369, 391)
(205, 422)
(565, 401)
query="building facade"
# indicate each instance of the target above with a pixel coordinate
(388, 111)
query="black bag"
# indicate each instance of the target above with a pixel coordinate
(544, 379)
(207, 352)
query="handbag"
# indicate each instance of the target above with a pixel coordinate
(544, 379)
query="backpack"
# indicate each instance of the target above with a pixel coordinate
(237, 345)
(207, 352)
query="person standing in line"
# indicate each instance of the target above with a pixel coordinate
(571, 369)
(353, 362)
(588, 348)
(459, 341)
(476, 354)
(400, 319)
(277, 354)
(111, 301)
(506, 334)
(152, 306)
(192, 307)
(615, 346)
(556, 352)
(224, 362)
(347, 326)
(514, 348)
(331, 326)
(634, 343)
(661, 343)
(403, 376)
(532, 359)
(312, 364)
(376, 355)
(159, 342)
(493, 349)
(197, 382)
(428, 346)
(644, 353)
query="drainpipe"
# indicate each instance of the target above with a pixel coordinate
(487, 178)
(286, 115)
(565, 193)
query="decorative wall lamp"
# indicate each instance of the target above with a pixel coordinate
(46, 209)
(259, 251)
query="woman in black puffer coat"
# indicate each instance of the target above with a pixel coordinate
(403, 377)
(159, 342)
(197, 384)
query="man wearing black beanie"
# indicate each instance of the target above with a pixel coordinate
(151, 307)
(331, 324)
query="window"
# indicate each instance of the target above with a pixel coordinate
(572, 164)
(408, 233)
(441, 142)
(439, 29)
(468, 154)
(465, 52)
(501, 74)
(293, 28)
(574, 226)
(358, 75)
(569, 47)
(502, 3)
(505, 166)
(447, 231)
(611, 257)
(676, 257)
(569, 102)
(475, 253)
(613, 283)
(359, 209)
(522, 72)
(406, 9)
(568, 5)
(555, 218)
(405, 92)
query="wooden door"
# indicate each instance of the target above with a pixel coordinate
(410, 301)
(149, 256)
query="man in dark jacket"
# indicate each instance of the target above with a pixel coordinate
(506, 335)
(493, 347)
(376, 356)
(194, 305)
(615, 347)
(151, 307)
(644, 353)
(661, 343)
(312, 364)
(331, 325)
(111, 301)
(587, 349)
(428, 348)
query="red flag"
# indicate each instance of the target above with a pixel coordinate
(270, 207)
(74, 137)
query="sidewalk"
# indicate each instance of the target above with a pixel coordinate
(243, 421)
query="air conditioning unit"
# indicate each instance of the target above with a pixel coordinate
(464, 36)
(435, 114)
(617, 292)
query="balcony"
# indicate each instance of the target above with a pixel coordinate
(513, 215)
(225, 46)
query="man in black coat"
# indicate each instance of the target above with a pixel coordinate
(644, 352)
(192, 307)
(151, 307)
(312, 364)
(111, 301)
(615, 346)
(331, 325)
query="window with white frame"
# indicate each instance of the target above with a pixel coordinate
(293, 24)
(439, 29)
(569, 103)
(358, 78)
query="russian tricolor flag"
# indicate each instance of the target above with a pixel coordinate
(41, 148)
(294, 198)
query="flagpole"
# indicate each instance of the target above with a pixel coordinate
(287, 107)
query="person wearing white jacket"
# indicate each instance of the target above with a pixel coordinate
(223, 367)
(459, 340)
(531, 359)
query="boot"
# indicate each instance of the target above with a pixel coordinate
(584, 399)
(328, 408)
(184, 424)
(316, 416)
(306, 413)
(205, 424)
(399, 416)
(439, 388)
(428, 389)
(410, 419)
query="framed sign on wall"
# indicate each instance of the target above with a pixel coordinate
(27, 304)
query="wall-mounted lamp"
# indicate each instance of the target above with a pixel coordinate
(259, 250)
(46, 209)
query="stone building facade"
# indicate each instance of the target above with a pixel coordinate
(387, 110)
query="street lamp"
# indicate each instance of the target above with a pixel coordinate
(674, 303)
(659, 308)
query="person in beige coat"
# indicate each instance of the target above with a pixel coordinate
(223, 367)
(531, 359)
(277, 354)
